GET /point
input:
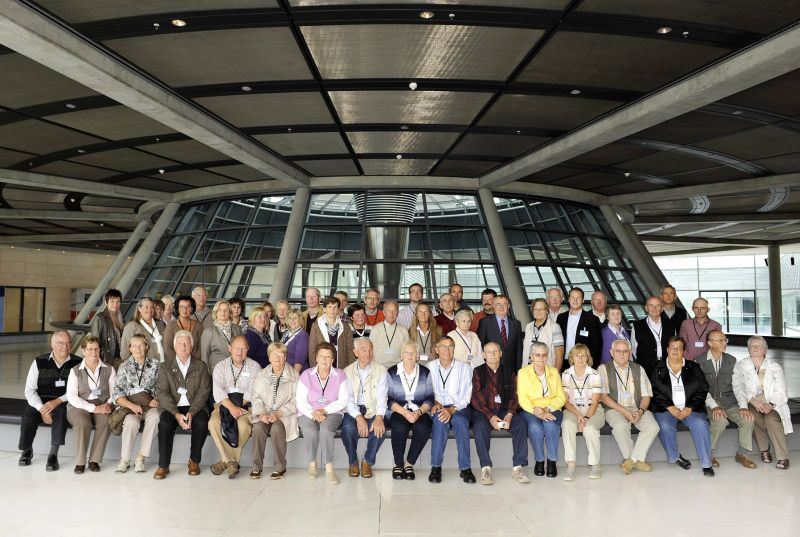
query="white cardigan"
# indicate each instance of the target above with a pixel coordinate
(745, 386)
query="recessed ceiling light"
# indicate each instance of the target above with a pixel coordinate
(737, 112)
(71, 106)
(180, 23)
(426, 14)
(685, 34)
(664, 30)
(101, 224)
(412, 85)
(72, 200)
(81, 151)
(519, 132)
(289, 129)
(156, 25)
(627, 174)
(246, 88)
(575, 92)
(161, 170)
(403, 127)
(398, 157)
(451, 16)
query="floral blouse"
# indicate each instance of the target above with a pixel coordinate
(132, 379)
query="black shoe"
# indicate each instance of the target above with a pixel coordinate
(467, 476)
(25, 458)
(52, 463)
(551, 469)
(538, 468)
(708, 472)
(94, 467)
(436, 475)
(408, 473)
(683, 463)
(397, 473)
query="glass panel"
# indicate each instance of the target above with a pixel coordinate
(416, 244)
(584, 220)
(459, 243)
(160, 281)
(33, 310)
(633, 312)
(335, 242)
(197, 218)
(179, 249)
(621, 287)
(603, 252)
(328, 279)
(132, 293)
(219, 246)
(550, 216)
(526, 245)
(262, 245)
(274, 210)
(251, 282)
(338, 209)
(473, 278)
(422, 275)
(11, 307)
(234, 213)
(741, 312)
(513, 213)
(537, 280)
(209, 276)
(566, 248)
(586, 279)
(453, 209)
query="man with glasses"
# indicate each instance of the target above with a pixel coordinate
(503, 330)
(717, 365)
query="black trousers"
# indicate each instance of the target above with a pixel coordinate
(400, 428)
(167, 426)
(30, 423)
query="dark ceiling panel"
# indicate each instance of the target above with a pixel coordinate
(784, 164)
(551, 174)
(528, 4)
(666, 163)
(764, 16)
(327, 168)
(188, 151)
(270, 109)
(40, 137)
(758, 143)
(408, 106)
(780, 95)
(8, 157)
(16, 195)
(694, 127)
(114, 204)
(418, 51)
(157, 185)
(27, 83)
(628, 188)
(241, 172)
(612, 153)
(401, 141)
(539, 111)
(128, 160)
(463, 168)
(78, 11)
(406, 166)
(497, 144)
(112, 122)
(304, 143)
(716, 174)
(74, 170)
(614, 61)
(239, 55)
(197, 178)
(592, 180)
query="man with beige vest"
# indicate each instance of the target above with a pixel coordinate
(388, 336)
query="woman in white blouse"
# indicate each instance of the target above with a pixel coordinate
(424, 332)
(583, 388)
(89, 388)
(760, 389)
(543, 330)
(468, 346)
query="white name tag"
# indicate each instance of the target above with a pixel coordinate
(699, 344)
(96, 393)
(389, 351)
(61, 383)
(580, 401)
(497, 399)
(423, 357)
(182, 390)
(236, 390)
(584, 333)
(245, 373)
(469, 357)
(136, 389)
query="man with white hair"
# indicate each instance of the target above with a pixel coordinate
(201, 312)
(599, 303)
(313, 298)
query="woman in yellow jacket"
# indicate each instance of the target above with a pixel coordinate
(541, 397)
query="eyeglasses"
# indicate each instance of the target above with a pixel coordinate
(719, 340)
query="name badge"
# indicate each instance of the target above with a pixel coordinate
(469, 357)
(96, 393)
(389, 351)
(580, 401)
(699, 344)
(584, 333)
(321, 401)
(759, 391)
(182, 390)
(678, 388)
(245, 373)
(136, 389)
(236, 390)
(497, 399)
(61, 383)
(423, 357)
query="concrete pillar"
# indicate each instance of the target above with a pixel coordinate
(634, 248)
(105, 283)
(775, 290)
(147, 247)
(291, 245)
(514, 288)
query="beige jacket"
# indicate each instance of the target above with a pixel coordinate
(286, 398)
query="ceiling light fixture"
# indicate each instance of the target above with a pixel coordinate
(627, 174)
(81, 151)
(685, 34)
(156, 25)
(737, 112)
(426, 14)
(180, 23)
(412, 85)
(664, 30)
(398, 157)
(403, 127)
(161, 170)
(289, 129)
(575, 92)
(246, 88)
(519, 132)
(71, 106)
(451, 16)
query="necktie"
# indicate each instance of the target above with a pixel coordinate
(503, 333)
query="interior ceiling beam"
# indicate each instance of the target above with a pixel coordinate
(66, 184)
(740, 186)
(65, 237)
(694, 252)
(769, 58)
(715, 218)
(44, 214)
(706, 240)
(44, 39)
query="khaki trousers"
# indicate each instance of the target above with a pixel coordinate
(81, 422)
(621, 429)
(591, 433)
(261, 431)
(130, 428)
(226, 452)
(768, 429)
(717, 427)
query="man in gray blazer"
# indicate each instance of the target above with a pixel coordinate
(721, 402)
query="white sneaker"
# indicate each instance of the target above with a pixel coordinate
(570, 476)
(333, 479)
(138, 466)
(595, 472)
(519, 475)
(122, 467)
(312, 470)
(486, 476)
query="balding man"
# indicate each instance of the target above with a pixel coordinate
(672, 314)
(366, 408)
(46, 393)
(555, 299)
(599, 303)
(201, 312)
(650, 336)
(313, 298)
(695, 331)
(388, 337)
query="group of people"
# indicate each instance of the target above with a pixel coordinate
(418, 371)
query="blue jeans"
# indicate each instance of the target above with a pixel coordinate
(482, 430)
(701, 435)
(540, 431)
(460, 425)
(350, 441)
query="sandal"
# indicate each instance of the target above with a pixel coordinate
(397, 473)
(766, 457)
(783, 464)
(408, 473)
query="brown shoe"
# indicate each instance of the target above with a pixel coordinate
(627, 466)
(217, 468)
(277, 475)
(766, 457)
(194, 468)
(79, 469)
(160, 473)
(353, 471)
(255, 473)
(233, 469)
(366, 470)
(783, 464)
(745, 461)
(714, 462)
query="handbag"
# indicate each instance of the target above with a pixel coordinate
(117, 417)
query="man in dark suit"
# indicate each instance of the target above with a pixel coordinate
(580, 326)
(672, 314)
(503, 330)
(721, 405)
(650, 336)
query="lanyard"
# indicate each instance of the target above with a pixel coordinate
(583, 386)
(180, 324)
(656, 334)
(700, 334)
(323, 386)
(627, 377)
(96, 382)
(410, 384)
(152, 332)
(234, 375)
(537, 331)
(545, 388)
(139, 383)
(424, 341)
(467, 345)
(291, 335)
(386, 333)
(445, 379)
(225, 335)
(676, 377)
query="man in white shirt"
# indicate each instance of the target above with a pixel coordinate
(452, 388)
(650, 336)
(367, 382)
(388, 337)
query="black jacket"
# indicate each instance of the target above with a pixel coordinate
(512, 350)
(594, 338)
(694, 384)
